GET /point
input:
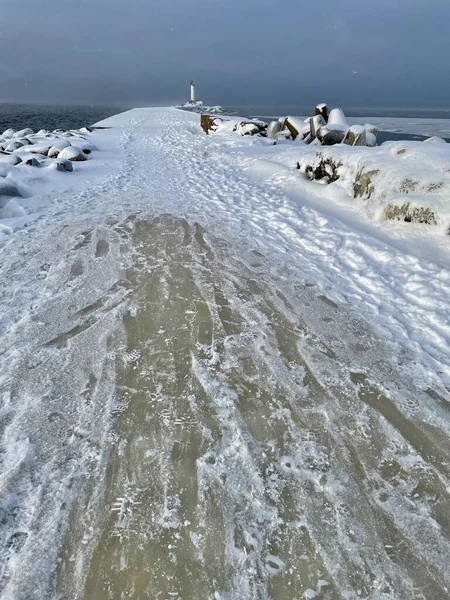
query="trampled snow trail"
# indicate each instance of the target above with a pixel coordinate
(212, 391)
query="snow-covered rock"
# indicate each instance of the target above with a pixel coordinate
(8, 189)
(13, 146)
(72, 153)
(41, 147)
(316, 123)
(10, 159)
(296, 126)
(8, 133)
(373, 129)
(23, 133)
(31, 161)
(356, 136)
(337, 120)
(57, 147)
(65, 164)
(435, 140)
(273, 129)
(322, 109)
(85, 146)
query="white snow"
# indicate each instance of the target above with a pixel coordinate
(65, 253)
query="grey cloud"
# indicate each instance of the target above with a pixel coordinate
(352, 52)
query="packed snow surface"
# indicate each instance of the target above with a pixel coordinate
(219, 380)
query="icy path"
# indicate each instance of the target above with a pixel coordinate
(212, 389)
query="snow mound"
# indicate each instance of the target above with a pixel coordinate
(22, 153)
(403, 181)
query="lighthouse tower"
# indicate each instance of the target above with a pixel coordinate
(192, 101)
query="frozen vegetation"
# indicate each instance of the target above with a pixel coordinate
(224, 368)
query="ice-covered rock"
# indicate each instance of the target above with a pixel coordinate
(57, 147)
(72, 153)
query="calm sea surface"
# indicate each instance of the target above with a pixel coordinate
(44, 116)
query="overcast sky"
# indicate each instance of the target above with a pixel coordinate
(240, 52)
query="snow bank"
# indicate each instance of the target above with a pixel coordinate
(28, 165)
(404, 181)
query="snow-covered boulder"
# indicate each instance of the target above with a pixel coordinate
(13, 146)
(371, 139)
(65, 164)
(435, 140)
(296, 126)
(23, 133)
(322, 110)
(316, 123)
(8, 133)
(8, 189)
(371, 129)
(337, 120)
(332, 136)
(248, 128)
(57, 147)
(86, 146)
(10, 159)
(4, 170)
(356, 136)
(72, 153)
(40, 148)
(30, 161)
(273, 129)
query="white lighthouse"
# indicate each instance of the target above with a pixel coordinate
(192, 92)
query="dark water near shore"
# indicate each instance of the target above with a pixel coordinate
(44, 116)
